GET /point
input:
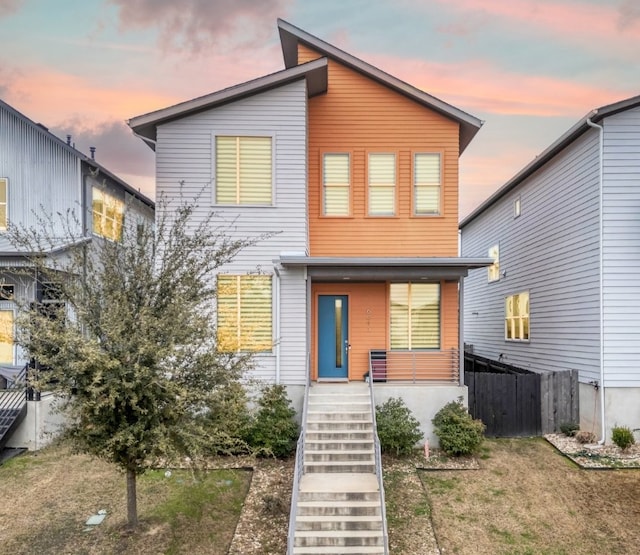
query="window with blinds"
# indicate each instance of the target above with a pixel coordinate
(426, 183)
(336, 184)
(414, 316)
(108, 215)
(244, 313)
(516, 317)
(6, 337)
(4, 193)
(244, 171)
(382, 184)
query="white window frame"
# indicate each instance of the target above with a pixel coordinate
(519, 324)
(329, 186)
(238, 345)
(437, 211)
(376, 187)
(517, 207)
(214, 169)
(4, 182)
(409, 318)
(98, 229)
(493, 271)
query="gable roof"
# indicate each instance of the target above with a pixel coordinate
(596, 115)
(314, 72)
(290, 36)
(82, 157)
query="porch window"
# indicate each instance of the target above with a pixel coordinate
(415, 316)
(108, 215)
(244, 170)
(516, 321)
(6, 336)
(493, 271)
(244, 313)
(4, 193)
(426, 183)
(382, 184)
(336, 184)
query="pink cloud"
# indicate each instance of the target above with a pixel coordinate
(200, 25)
(569, 20)
(8, 7)
(480, 86)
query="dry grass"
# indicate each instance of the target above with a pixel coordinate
(47, 498)
(528, 499)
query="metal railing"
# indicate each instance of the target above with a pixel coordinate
(13, 401)
(378, 457)
(298, 470)
(415, 366)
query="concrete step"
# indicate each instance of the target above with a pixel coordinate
(307, 538)
(342, 414)
(341, 466)
(339, 508)
(328, 445)
(339, 455)
(338, 523)
(331, 496)
(327, 403)
(340, 550)
(338, 435)
(330, 425)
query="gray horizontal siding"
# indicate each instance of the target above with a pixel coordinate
(44, 177)
(551, 250)
(184, 169)
(621, 268)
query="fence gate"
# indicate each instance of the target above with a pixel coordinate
(505, 398)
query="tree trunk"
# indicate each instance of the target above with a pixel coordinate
(132, 502)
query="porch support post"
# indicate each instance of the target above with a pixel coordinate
(307, 280)
(461, 328)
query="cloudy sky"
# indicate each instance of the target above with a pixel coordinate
(528, 68)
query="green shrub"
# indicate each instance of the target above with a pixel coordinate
(458, 432)
(622, 437)
(398, 429)
(228, 420)
(274, 430)
(569, 428)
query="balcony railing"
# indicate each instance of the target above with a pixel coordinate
(415, 366)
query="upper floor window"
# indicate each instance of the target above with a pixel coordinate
(108, 215)
(382, 184)
(493, 271)
(4, 195)
(336, 184)
(244, 313)
(426, 183)
(517, 207)
(244, 170)
(516, 317)
(415, 315)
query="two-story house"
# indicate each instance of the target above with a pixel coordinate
(564, 291)
(42, 176)
(353, 173)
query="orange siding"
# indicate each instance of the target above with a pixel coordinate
(369, 321)
(358, 115)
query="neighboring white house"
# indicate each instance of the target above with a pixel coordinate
(42, 175)
(564, 292)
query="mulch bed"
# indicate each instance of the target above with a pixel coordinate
(595, 456)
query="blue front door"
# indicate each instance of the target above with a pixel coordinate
(333, 337)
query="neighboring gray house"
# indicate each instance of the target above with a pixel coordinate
(564, 292)
(42, 175)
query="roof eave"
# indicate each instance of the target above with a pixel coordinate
(550, 152)
(315, 72)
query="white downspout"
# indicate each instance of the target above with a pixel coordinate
(277, 319)
(600, 128)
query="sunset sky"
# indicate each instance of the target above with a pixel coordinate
(528, 68)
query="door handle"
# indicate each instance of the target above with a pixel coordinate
(347, 344)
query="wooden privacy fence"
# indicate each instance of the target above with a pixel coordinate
(512, 401)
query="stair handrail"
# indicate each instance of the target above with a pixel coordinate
(298, 470)
(378, 458)
(15, 396)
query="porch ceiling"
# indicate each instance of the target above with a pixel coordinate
(383, 269)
